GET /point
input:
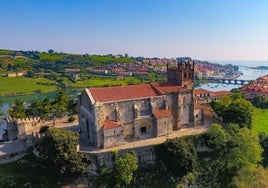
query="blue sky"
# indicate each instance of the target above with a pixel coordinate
(201, 29)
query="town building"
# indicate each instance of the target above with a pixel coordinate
(258, 87)
(205, 96)
(110, 116)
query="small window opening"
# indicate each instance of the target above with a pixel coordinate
(143, 129)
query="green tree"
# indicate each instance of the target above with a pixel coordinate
(61, 103)
(232, 150)
(239, 112)
(244, 150)
(251, 177)
(217, 137)
(234, 109)
(17, 110)
(46, 111)
(125, 166)
(179, 155)
(35, 109)
(260, 102)
(58, 150)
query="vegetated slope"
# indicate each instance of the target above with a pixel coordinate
(260, 121)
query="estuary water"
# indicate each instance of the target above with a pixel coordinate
(246, 67)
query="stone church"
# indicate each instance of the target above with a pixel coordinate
(110, 116)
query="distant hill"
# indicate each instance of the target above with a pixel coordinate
(11, 60)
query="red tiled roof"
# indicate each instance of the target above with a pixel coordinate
(162, 113)
(110, 124)
(220, 93)
(166, 87)
(201, 91)
(106, 94)
(118, 93)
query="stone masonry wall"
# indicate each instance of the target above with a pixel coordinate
(113, 137)
(164, 126)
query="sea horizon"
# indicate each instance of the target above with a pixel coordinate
(241, 63)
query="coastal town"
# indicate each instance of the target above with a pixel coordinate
(133, 94)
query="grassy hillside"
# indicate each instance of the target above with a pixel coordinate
(97, 60)
(260, 121)
(54, 56)
(5, 52)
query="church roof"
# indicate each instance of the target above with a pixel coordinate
(161, 114)
(118, 93)
(167, 88)
(107, 124)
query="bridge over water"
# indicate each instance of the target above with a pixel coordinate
(227, 81)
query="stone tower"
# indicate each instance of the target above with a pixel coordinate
(182, 75)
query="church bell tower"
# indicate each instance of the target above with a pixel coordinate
(182, 75)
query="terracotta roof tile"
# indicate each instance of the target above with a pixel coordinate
(167, 88)
(162, 113)
(201, 91)
(118, 93)
(107, 124)
(106, 94)
(220, 93)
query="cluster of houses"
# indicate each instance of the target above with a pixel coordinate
(258, 87)
(214, 70)
(122, 69)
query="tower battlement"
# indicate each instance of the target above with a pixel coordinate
(182, 74)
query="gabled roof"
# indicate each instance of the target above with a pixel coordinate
(107, 124)
(201, 91)
(167, 88)
(159, 114)
(118, 93)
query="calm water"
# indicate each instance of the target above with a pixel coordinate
(243, 63)
(248, 74)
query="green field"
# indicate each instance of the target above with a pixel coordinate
(52, 56)
(260, 121)
(103, 81)
(25, 85)
(97, 60)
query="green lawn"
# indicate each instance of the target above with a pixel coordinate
(260, 121)
(103, 81)
(10, 85)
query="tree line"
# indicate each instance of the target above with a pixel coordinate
(45, 109)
